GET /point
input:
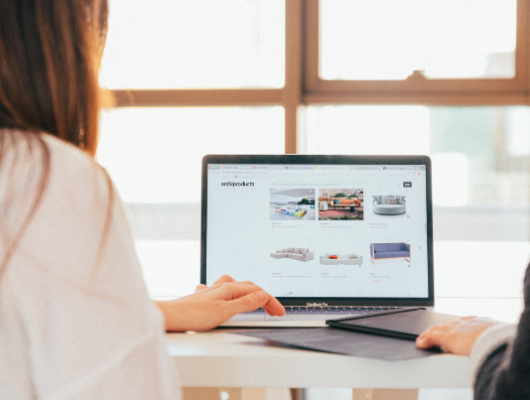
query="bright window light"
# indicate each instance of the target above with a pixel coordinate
(154, 155)
(389, 39)
(518, 131)
(159, 44)
(368, 130)
(450, 179)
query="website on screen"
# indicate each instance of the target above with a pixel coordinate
(320, 231)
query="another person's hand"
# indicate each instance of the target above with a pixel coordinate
(210, 306)
(457, 337)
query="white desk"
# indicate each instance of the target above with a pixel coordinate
(221, 359)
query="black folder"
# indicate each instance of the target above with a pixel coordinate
(402, 323)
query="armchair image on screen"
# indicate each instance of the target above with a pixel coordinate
(386, 251)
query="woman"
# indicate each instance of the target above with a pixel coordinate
(75, 317)
(500, 353)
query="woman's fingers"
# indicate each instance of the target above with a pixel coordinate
(458, 336)
(232, 290)
(224, 279)
(236, 290)
(436, 336)
(249, 302)
(200, 287)
(221, 280)
(274, 307)
(430, 338)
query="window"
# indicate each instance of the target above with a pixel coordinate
(448, 79)
(382, 40)
(417, 51)
(195, 44)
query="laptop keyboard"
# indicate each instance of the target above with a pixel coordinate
(328, 310)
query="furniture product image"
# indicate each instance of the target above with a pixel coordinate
(389, 205)
(385, 251)
(291, 210)
(294, 253)
(338, 259)
(339, 203)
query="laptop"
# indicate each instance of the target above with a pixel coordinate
(329, 236)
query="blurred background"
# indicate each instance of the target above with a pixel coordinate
(446, 79)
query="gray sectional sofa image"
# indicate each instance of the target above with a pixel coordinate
(295, 253)
(385, 251)
(389, 205)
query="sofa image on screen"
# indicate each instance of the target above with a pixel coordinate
(389, 205)
(385, 251)
(340, 203)
(338, 259)
(295, 253)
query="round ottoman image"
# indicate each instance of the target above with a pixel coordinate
(389, 205)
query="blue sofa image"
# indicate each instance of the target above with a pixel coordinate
(385, 251)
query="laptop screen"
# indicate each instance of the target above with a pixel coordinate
(319, 231)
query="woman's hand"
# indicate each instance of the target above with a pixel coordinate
(271, 309)
(457, 337)
(210, 306)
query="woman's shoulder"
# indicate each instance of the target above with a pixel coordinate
(67, 159)
(75, 180)
(45, 170)
(43, 153)
(62, 147)
(76, 174)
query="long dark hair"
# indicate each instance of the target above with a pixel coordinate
(50, 54)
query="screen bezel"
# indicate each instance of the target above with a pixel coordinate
(329, 160)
